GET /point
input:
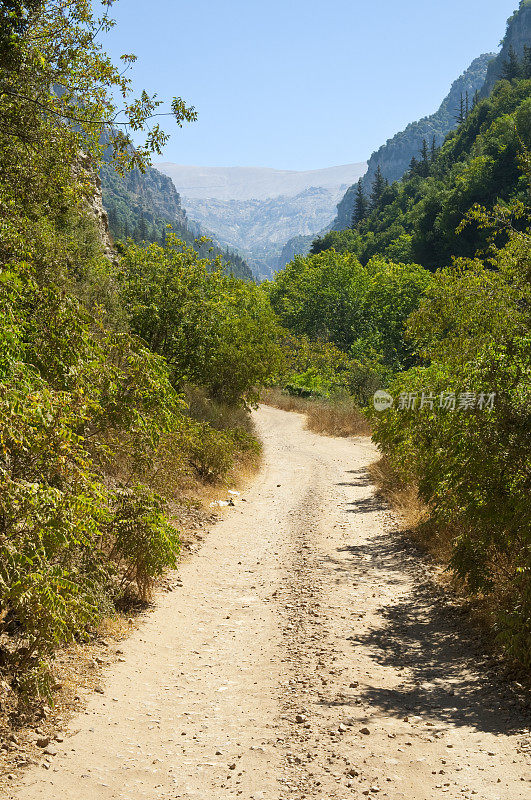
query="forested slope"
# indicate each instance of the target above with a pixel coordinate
(141, 205)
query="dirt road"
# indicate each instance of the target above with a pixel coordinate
(303, 654)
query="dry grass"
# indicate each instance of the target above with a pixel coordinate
(413, 514)
(403, 498)
(436, 542)
(332, 418)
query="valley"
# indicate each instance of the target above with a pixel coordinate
(256, 210)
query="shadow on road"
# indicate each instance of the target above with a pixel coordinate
(448, 676)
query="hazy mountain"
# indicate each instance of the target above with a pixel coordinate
(260, 228)
(260, 183)
(395, 155)
(256, 210)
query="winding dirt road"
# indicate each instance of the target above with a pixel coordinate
(304, 653)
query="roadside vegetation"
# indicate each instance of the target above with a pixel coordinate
(427, 297)
(125, 384)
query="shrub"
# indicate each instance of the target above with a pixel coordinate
(144, 542)
(472, 465)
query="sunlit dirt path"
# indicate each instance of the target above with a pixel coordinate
(305, 654)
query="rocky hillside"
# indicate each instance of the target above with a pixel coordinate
(140, 206)
(297, 246)
(260, 228)
(395, 155)
(517, 36)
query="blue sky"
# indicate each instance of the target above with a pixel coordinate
(300, 84)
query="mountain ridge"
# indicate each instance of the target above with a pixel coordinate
(395, 155)
(254, 183)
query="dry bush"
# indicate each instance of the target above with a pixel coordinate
(331, 417)
(413, 514)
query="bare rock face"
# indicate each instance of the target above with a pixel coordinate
(102, 221)
(94, 205)
(517, 36)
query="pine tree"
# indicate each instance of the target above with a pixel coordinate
(434, 149)
(475, 101)
(142, 229)
(361, 206)
(378, 187)
(423, 167)
(512, 67)
(461, 115)
(113, 220)
(413, 165)
(467, 105)
(526, 63)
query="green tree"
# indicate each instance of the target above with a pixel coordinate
(319, 296)
(378, 187)
(526, 62)
(214, 330)
(434, 150)
(512, 68)
(62, 74)
(142, 228)
(424, 165)
(361, 206)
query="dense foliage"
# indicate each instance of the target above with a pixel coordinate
(361, 309)
(214, 330)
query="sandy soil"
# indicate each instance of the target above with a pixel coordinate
(304, 653)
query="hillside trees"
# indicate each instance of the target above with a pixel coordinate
(378, 187)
